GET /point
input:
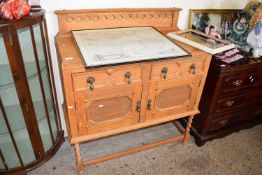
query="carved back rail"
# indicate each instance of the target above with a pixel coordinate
(160, 18)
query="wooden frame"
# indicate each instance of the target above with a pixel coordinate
(230, 15)
(71, 65)
(202, 41)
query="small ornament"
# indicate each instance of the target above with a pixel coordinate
(239, 31)
(254, 39)
(14, 9)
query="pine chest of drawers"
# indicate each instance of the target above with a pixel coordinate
(231, 100)
(108, 100)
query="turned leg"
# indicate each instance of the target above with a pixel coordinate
(188, 126)
(79, 163)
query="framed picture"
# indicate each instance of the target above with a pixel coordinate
(220, 20)
(202, 41)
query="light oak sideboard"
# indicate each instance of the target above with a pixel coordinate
(133, 95)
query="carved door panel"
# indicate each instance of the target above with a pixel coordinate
(171, 97)
(109, 108)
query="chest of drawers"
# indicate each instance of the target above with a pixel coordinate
(231, 100)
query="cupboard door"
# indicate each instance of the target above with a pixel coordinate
(109, 108)
(173, 96)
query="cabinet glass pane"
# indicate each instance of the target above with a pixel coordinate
(25, 41)
(6, 145)
(2, 167)
(14, 116)
(44, 75)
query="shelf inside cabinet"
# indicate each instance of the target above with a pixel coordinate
(16, 126)
(7, 79)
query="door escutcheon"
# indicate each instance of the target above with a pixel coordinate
(149, 104)
(138, 106)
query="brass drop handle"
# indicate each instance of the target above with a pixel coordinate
(164, 72)
(128, 77)
(193, 69)
(223, 122)
(149, 104)
(138, 106)
(237, 83)
(91, 80)
(229, 103)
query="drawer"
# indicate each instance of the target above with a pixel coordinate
(233, 118)
(175, 68)
(234, 102)
(106, 78)
(242, 80)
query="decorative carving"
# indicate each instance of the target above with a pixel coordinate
(87, 18)
(70, 19)
(84, 18)
(78, 19)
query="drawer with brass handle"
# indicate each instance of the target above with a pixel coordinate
(229, 118)
(234, 82)
(176, 68)
(238, 101)
(106, 78)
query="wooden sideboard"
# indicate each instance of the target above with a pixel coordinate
(155, 92)
(231, 100)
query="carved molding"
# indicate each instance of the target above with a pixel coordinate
(89, 18)
(109, 18)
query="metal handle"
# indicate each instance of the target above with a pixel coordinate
(193, 69)
(223, 122)
(138, 106)
(229, 103)
(164, 72)
(237, 83)
(149, 104)
(91, 80)
(128, 77)
(251, 78)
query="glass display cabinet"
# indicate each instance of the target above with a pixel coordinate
(30, 127)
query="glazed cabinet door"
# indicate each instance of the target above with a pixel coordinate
(171, 97)
(107, 101)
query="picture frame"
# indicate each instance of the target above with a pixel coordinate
(221, 19)
(202, 41)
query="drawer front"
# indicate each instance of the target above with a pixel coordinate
(230, 103)
(242, 80)
(105, 78)
(173, 69)
(228, 120)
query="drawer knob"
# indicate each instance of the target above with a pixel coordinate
(229, 103)
(128, 77)
(237, 83)
(193, 69)
(164, 72)
(91, 80)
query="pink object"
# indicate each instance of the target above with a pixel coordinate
(14, 9)
(232, 59)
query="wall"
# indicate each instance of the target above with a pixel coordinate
(51, 5)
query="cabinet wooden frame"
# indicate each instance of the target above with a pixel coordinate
(185, 75)
(9, 31)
